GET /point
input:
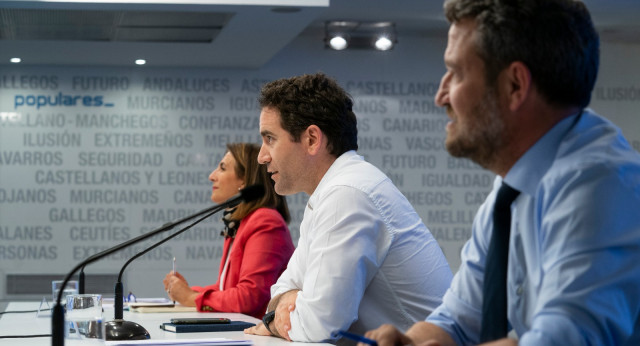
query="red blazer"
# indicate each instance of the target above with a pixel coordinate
(259, 254)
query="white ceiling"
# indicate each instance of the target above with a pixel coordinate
(220, 33)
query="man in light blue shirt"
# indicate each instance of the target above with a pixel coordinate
(519, 77)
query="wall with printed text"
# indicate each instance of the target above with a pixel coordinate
(94, 156)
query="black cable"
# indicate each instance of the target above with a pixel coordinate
(17, 312)
(25, 336)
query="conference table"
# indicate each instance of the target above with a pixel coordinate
(31, 324)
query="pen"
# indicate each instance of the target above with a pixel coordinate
(357, 337)
(174, 273)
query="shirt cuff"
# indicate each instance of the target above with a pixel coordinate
(552, 330)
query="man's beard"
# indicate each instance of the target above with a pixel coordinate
(483, 135)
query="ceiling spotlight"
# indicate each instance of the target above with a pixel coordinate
(140, 61)
(345, 34)
(338, 42)
(383, 43)
(15, 60)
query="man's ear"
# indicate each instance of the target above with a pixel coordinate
(516, 83)
(313, 139)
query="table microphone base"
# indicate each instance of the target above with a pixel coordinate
(125, 330)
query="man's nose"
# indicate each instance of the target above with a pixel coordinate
(263, 156)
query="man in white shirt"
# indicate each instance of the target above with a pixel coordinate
(364, 256)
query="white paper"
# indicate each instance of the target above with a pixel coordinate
(210, 341)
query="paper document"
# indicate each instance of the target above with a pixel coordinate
(210, 341)
(160, 307)
(108, 302)
(141, 300)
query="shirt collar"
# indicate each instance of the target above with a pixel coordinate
(335, 169)
(527, 172)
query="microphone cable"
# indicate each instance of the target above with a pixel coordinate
(25, 336)
(21, 311)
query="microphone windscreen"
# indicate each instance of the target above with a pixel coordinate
(251, 193)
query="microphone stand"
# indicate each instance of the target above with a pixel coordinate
(81, 281)
(57, 314)
(119, 329)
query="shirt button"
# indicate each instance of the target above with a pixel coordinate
(519, 290)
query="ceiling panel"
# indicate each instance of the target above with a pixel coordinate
(223, 33)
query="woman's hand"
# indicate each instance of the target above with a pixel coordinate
(178, 289)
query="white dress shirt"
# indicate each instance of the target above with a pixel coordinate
(364, 257)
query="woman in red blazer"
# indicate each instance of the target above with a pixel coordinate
(257, 244)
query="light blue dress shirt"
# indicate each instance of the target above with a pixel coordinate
(574, 253)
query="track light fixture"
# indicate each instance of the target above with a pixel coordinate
(341, 35)
(338, 42)
(383, 43)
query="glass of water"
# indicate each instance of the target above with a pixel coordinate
(84, 324)
(70, 288)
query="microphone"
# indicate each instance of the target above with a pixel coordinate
(119, 329)
(81, 281)
(247, 194)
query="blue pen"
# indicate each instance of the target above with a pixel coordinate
(357, 337)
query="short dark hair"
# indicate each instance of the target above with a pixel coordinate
(314, 99)
(555, 39)
(251, 172)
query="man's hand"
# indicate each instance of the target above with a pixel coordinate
(420, 334)
(387, 335)
(258, 329)
(283, 305)
(282, 321)
(502, 342)
(178, 289)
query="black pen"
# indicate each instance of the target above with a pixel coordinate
(357, 337)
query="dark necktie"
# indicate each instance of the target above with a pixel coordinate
(494, 289)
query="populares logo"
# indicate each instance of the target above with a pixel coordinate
(59, 99)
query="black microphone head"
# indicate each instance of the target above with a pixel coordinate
(251, 193)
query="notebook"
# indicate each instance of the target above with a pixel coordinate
(232, 326)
